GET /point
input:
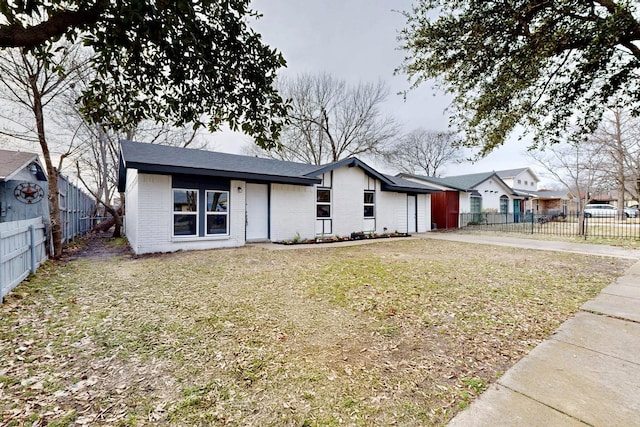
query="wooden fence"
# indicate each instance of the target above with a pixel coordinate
(77, 209)
(22, 250)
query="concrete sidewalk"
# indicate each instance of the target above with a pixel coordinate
(586, 373)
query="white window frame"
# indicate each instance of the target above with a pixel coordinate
(174, 212)
(373, 204)
(215, 213)
(319, 203)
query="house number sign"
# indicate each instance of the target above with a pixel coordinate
(28, 193)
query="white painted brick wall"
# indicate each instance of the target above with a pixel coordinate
(154, 215)
(348, 200)
(391, 211)
(237, 217)
(293, 210)
(131, 207)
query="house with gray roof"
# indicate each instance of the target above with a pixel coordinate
(473, 194)
(182, 199)
(520, 179)
(23, 187)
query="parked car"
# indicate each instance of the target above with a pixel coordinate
(607, 211)
(600, 211)
(631, 212)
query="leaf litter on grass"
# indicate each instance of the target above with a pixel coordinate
(399, 332)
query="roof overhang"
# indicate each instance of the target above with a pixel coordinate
(245, 176)
(406, 189)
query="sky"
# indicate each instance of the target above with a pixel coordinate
(356, 41)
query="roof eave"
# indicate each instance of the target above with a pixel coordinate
(248, 176)
(404, 189)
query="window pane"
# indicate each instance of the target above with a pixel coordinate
(217, 201)
(504, 204)
(324, 196)
(368, 197)
(476, 204)
(184, 225)
(368, 211)
(324, 211)
(185, 201)
(216, 224)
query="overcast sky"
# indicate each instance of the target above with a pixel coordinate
(355, 40)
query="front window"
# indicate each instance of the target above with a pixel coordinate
(185, 212)
(476, 208)
(369, 204)
(504, 204)
(217, 212)
(323, 203)
(476, 204)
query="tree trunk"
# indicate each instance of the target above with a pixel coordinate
(52, 173)
(115, 221)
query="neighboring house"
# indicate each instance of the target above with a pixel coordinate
(520, 179)
(472, 194)
(23, 187)
(181, 199)
(552, 202)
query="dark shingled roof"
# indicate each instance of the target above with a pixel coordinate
(154, 158)
(403, 185)
(166, 159)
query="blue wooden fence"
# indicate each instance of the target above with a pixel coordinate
(77, 209)
(23, 244)
(22, 250)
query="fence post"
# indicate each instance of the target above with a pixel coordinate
(532, 221)
(32, 237)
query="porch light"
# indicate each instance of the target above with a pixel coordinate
(33, 169)
(239, 189)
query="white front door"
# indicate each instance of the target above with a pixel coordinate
(257, 201)
(411, 214)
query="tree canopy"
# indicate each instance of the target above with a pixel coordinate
(329, 120)
(550, 66)
(169, 61)
(425, 152)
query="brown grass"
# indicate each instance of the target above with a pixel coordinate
(394, 332)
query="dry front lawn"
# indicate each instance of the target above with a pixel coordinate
(401, 332)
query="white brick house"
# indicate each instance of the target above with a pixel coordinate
(182, 199)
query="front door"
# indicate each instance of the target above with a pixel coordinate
(412, 218)
(257, 212)
(516, 210)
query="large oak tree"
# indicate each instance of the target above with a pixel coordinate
(169, 61)
(551, 66)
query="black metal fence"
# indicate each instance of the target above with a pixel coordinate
(553, 225)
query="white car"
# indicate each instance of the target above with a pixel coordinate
(631, 212)
(600, 211)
